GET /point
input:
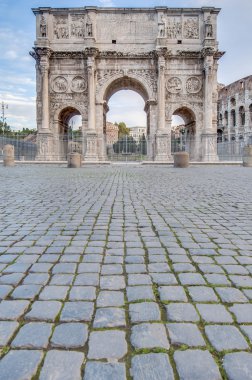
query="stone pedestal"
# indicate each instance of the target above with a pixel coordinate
(91, 151)
(209, 147)
(163, 147)
(8, 155)
(181, 160)
(74, 160)
(247, 156)
(45, 148)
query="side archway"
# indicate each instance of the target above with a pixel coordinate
(185, 137)
(68, 131)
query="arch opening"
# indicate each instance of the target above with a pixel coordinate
(126, 119)
(69, 132)
(183, 137)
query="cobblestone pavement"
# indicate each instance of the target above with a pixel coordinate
(114, 273)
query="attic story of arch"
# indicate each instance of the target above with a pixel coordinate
(168, 55)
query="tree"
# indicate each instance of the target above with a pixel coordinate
(143, 145)
(5, 129)
(122, 129)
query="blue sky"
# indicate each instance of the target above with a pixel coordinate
(17, 35)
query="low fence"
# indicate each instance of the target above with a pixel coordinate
(123, 150)
(230, 150)
(23, 150)
(127, 149)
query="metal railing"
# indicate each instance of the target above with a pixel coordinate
(23, 150)
(230, 150)
(126, 149)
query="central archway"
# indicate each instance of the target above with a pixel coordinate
(140, 87)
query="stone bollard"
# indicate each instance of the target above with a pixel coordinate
(247, 156)
(181, 160)
(74, 160)
(8, 155)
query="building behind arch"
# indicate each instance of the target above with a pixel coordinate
(235, 111)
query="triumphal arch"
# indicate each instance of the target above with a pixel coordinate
(167, 55)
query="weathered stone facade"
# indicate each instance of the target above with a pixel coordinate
(235, 111)
(168, 55)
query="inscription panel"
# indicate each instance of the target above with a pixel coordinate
(126, 27)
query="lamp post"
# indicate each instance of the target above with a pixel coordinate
(4, 107)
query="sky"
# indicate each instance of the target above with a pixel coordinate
(17, 68)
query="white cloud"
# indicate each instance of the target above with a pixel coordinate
(10, 54)
(127, 106)
(106, 3)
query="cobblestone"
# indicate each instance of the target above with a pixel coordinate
(70, 335)
(196, 365)
(238, 366)
(225, 338)
(63, 365)
(145, 269)
(105, 371)
(33, 335)
(149, 335)
(151, 366)
(20, 365)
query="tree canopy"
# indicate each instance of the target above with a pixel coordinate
(7, 131)
(123, 130)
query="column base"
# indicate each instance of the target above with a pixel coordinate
(163, 148)
(91, 151)
(45, 146)
(209, 147)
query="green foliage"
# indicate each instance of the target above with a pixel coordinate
(123, 130)
(5, 130)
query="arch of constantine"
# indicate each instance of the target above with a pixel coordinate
(167, 55)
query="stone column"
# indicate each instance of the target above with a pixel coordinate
(45, 137)
(91, 135)
(101, 133)
(209, 135)
(163, 148)
(91, 93)
(44, 68)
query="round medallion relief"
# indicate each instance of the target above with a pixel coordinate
(174, 85)
(59, 84)
(193, 85)
(78, 84)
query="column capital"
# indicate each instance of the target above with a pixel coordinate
(207, 52)
(39, 53)
(91, 51)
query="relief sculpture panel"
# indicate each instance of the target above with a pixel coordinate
(78, 84)
(60, 27)
(78, 27)
(174, 28)
(191, 28)
(59, 84)
(174, 85)
(193, 85)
